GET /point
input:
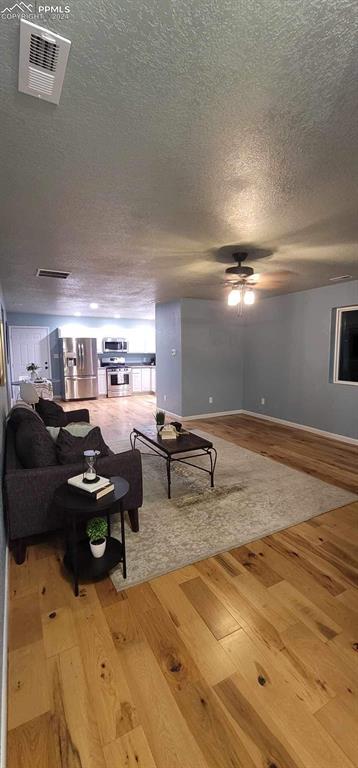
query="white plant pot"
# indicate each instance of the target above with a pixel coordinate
(98, 550)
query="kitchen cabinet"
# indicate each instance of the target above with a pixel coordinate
(146, 380)
(143, 380)
(149, 340)
(153, 380)
(137, 380)
(99, 338)
(141, 340)
(102, 381)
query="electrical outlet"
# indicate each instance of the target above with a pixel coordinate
(263, 400)
(164, 397)
(211, 400)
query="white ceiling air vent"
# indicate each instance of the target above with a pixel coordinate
(43, 60)
(57, 273)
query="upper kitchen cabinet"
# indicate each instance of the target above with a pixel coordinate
(140, 335)
(99, 338)
(141, 339)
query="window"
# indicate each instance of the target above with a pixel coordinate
(346, 346)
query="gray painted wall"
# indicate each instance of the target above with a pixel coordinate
(209, 359)
(212, 357)
(169, 366)
(3, 411)
(287, 360)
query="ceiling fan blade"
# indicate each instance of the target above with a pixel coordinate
(224, 254)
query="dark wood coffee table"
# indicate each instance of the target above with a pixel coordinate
(188, 443)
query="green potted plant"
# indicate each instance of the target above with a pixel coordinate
(160, 420)
(32, 368)
(97, 532)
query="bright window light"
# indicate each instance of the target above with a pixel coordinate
(93, 305)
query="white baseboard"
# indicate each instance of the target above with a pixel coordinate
(206, 415)
(265, 417)
(3, 726)
(305, 427)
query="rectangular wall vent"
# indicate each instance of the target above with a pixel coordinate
(57, 273)
(40, 81)
(43, 53)
(43, 60)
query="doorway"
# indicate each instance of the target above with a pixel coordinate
(28, 344)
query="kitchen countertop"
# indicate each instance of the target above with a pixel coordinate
(126, 365)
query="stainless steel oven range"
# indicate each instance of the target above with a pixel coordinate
(119, 382)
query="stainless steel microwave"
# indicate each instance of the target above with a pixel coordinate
(115, 345)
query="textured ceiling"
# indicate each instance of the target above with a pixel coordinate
(182, 127)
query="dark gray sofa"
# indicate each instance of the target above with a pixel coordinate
(29, 492)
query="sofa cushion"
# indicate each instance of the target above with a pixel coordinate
(20, 412)
(76, 428)
(34, 446)
(51, 413)
(70, 448)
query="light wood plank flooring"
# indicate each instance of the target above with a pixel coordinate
(245, 660)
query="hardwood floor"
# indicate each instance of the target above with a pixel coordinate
(330, 460)
(244, 660)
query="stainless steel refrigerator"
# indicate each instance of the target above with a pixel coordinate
(79, 364)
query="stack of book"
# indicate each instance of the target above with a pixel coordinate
(96, 490)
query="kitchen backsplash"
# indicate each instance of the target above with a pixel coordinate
(134, 358)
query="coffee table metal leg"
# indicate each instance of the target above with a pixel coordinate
(123, 542)
(212, 451)
(169, 477)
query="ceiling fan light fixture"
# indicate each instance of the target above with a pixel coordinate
(249, 296)
(234, 297)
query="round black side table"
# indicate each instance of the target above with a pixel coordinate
(78, 558)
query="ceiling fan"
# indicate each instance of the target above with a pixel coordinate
(243, 282)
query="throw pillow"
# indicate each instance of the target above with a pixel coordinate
(20, 412)
(70, 448)
(76, 428)
(51, 413)
(53, 432)
(34, 446)
(79, 428)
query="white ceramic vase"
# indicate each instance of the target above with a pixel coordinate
(98, 549)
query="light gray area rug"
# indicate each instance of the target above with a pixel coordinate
(253, 497)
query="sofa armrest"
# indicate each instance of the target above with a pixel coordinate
(29, 492)
(82, 414)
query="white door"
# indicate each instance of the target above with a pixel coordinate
(29, 345)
